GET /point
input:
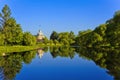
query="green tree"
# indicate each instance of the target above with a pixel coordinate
(13, 32)
(54, 35)
(10, 28)
(4, 15)
(81, 33)
(56, 42)
(2, 39)
(29, 39)
(104, 35)
(51, 42)
(72, 38)
(82, 38)
(67, 38)
(113, 30)
(94, 39)
(101, 30)
(64, 38)
(45, 40)
(72, 35)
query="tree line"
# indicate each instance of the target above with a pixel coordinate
(107, 34)
(64, 38)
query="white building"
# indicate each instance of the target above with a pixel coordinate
(40, 36)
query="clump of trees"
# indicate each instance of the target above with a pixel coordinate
(11, 32)
(66, 38)
(29, 39)
(107, 34)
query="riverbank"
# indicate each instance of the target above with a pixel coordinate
(7, 49)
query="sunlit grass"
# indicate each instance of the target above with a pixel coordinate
(7, 49)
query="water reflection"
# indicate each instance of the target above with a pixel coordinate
(104, 57)
(40, 52)
(12, 63)
(62, 52)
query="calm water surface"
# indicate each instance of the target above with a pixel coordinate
(55, 64)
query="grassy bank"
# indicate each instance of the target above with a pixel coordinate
(7, 49)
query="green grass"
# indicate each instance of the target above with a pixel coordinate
(7, 49)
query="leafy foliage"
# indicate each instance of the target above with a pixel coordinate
(113, 30)
(2, 39)
(104, 35)
(54, 36)
(29, 39)
(65, 38)
(11, 32)
(4, 15)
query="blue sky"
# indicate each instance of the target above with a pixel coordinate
(61, 15)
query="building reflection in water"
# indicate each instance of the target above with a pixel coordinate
(3, 54)
(40, 52)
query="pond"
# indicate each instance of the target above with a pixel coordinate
(63, 63)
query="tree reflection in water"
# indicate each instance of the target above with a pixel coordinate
(104, 57)
(107, 58)
(62, 52)
(11, 64)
